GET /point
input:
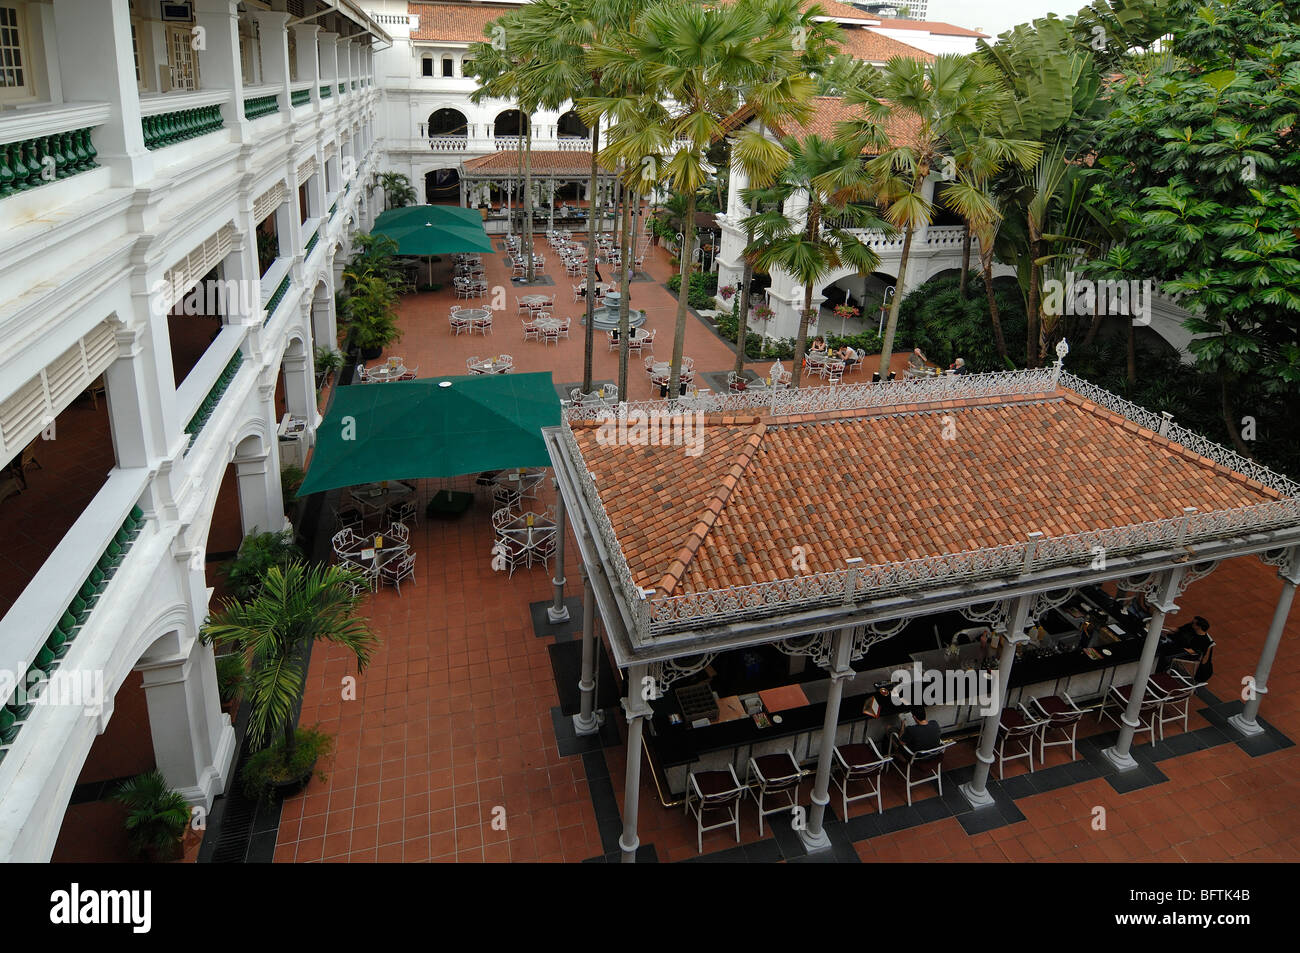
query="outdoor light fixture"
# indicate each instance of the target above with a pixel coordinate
(444, 383)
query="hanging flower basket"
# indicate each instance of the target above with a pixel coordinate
(846, 311)
(762, 313)
(727, 291)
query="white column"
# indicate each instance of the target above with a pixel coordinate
(976, 790)
(637, 711)
(1166, 588)
(814, 837)
(194, 742)
(300, 383)
(557, 611)
(1289, 573)
(94, 46)
(305, 46)
(219, 65)
(275, 56)
(329, 61)
(587, 721)
(261, 504)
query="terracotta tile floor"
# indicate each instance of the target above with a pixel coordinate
(451, 726)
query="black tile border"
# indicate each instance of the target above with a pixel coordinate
(543, 628)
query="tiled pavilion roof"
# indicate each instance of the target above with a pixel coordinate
(456, 22)
(884, 485)
(544, 163)
(829, 111)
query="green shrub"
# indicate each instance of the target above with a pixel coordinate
(259, 552)
(703, 289)
(934, 318)
(156, 815)
(232, 672)
(270, 765)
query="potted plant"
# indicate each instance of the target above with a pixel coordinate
(232, 673)
(761, 313)
(156, 817)
(257, 554)
(371, 316)
(328, 361)
(296, 606)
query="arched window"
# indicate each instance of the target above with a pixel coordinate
(509, 122)
(448, 122)
(448, 66)
(426, 65)
(571, 127)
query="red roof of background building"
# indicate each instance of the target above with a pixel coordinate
(455, 22)
(932, 26)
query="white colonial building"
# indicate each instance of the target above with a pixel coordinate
(148, 149)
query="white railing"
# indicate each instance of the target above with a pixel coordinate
(448, 143)
(506, 143)
(45, 120)
(35, 613)
(658, 615)
(156, 103)
(573, 144)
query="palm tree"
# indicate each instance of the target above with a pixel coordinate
(156, 816)
(398, 192)
(687, 65)
(298, 606)
(935, 106)
(815, 240)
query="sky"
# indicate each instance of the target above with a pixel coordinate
(994, 16)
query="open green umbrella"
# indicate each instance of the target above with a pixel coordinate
(435, 427)
(428, 230)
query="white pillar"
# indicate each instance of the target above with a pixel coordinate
(194, 742)
(814, 836)
(261, 505)
(1289, 572)
(1166, 588)
(219, 64)
(558, 611)
(300, 382)
(587, 721)
(308, 66)
(976, 790)
(275, 56)
(94, 44)
(637, 711)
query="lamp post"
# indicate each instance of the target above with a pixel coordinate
(884, 307)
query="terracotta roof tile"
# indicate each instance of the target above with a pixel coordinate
(864, 44)
(929, 26)
(455, 22)
(544, 162)
(883, 484)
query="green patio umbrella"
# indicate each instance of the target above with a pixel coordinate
(436, 427)
(428, 230)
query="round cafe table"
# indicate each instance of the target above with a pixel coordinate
(535, 301)
(384, 373)
(473, 314)
(492, 365)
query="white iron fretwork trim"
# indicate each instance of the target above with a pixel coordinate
(667, 672)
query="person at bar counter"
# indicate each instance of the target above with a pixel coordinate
(923, 734)
(1193, 638)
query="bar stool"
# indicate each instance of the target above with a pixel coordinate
(1117, 701)
(773, 775)
(710, 792)
(1178, 691)
(859, 762)
(908, 760)
(1062, 715)
(1019, 729)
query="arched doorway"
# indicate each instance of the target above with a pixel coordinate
(510, 122)
(448, 122)
(571, 126)
(442, 187)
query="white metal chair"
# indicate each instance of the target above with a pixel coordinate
(906, 761)
(470, 362)
(773, 775)
(344, 541)
(713, 793)
(859, 763)
(531, 330)
(459, 324)
(1177, 704)
(1117, 702)
(399, 531)
(1062, 716)
(369, 572)
(483, 324)
(511, 551)
(395, 570)
(404, 513)
(1020, 730)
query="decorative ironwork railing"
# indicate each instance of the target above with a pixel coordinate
(657, 615)
(277, 296)
(260, 106)
(783, 402)
(30, 163)
(573, 143)
(166, 129)
(448, 143)
(300, 97)
(19, 707)
(213, 400)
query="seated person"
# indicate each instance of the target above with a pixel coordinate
(959, 366)
(923, 735)
(819, 345)
(848, 356)
(917, 360)
(1192, 637)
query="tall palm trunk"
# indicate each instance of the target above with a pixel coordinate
(1230, 415)
(742, 307)
(587, 337)
(995, 316)
(683, 295)
(528, 197)
(813, 216)
(1096, 322)
(965, 259)
(891, 325)
(1033, 345)
(625, 288)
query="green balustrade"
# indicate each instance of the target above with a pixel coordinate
(311, 242)
(166, 129)
(326, 91)
(210, 403)
(30, 163)
(260, 106)
(300, 97)
(281, 290)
